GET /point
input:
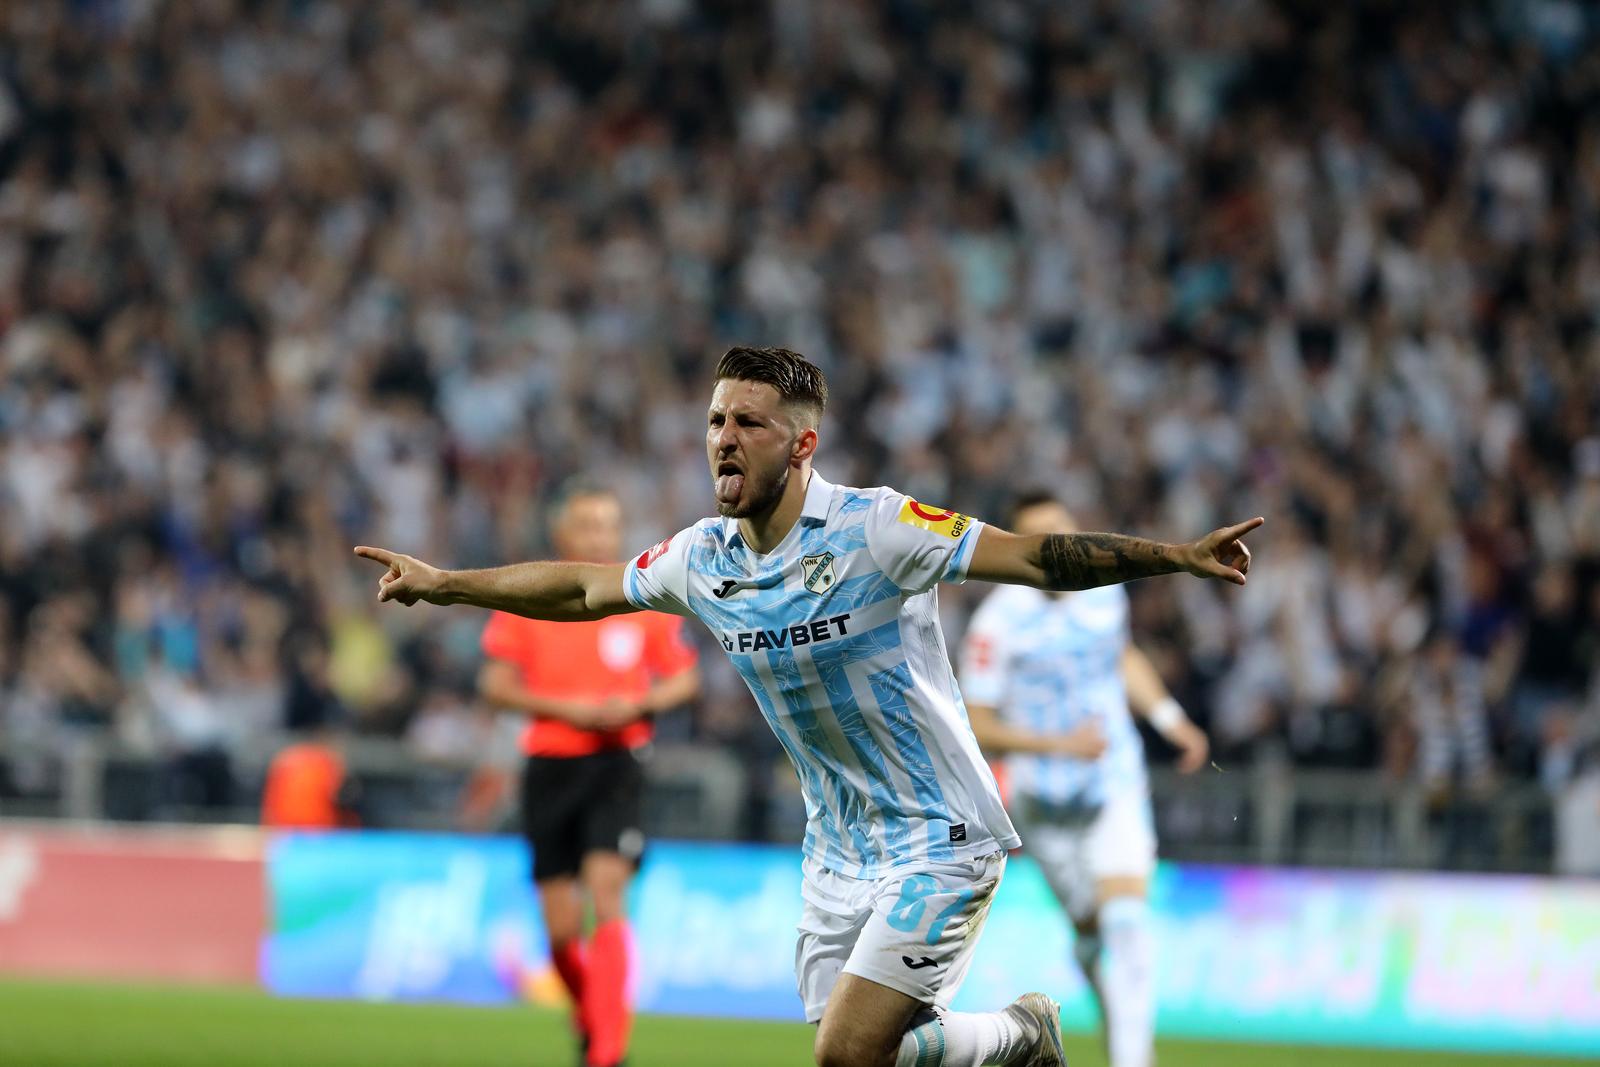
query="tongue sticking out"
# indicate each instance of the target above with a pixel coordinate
(729, 486)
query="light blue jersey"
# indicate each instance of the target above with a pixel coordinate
(1049, 663)
(836, 632)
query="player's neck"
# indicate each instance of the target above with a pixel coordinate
(765, 532)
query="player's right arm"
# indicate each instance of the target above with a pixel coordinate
(559, 592)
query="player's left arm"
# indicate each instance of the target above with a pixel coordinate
(1149, 698)
(1061, 561)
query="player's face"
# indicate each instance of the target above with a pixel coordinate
(750, 443)
(1044, 519)
(589, 529)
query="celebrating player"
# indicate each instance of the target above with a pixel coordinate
(825, 599)
(590, 688)
(1049, 678)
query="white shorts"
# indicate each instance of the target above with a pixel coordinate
(1078, 847)
(913, 930)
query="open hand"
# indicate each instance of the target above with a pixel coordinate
(1221, 553)
(408, 579)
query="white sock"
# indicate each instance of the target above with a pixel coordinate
(964, 1039)
(1127, 972)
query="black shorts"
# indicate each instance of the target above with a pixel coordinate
(575, 805)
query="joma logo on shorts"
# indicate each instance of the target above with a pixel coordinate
(792, 637)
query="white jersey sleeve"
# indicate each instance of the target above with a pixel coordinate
(918, 546)
(658, 578)
(985, 655)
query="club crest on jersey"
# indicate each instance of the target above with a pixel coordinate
(936, 520)
(818, 571)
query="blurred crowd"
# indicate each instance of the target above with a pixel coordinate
(279, 277)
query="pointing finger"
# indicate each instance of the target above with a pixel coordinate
(380, 555)
(1231, 533)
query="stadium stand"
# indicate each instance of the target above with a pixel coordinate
(279, 277)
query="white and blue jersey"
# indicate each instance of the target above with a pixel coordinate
(836, 632)
(1050, 663)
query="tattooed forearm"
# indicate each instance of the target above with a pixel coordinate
(1085, 560)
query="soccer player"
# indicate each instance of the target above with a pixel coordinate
(590, 688)
(824, 599)
(1049, 679)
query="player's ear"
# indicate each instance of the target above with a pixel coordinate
(805, 446)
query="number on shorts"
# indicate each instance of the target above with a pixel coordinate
(943, 918)
(906, 915)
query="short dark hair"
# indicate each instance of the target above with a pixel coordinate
(1033, 497)
(799, 382)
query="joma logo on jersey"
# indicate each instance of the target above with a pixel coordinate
(818, 571)
(808, 633)
(935, 520)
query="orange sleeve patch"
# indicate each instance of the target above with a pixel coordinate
(937, 520)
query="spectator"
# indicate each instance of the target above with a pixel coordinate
(307, 787)
(1551, 677)
(1451, 722)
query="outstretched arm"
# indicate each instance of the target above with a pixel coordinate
(1084, 560)
(559, 592)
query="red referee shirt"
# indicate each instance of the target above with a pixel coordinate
(593, 662)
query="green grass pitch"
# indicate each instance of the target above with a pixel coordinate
(82, 1025)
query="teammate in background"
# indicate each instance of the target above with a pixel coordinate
(1049, 679)
(590, 688)
(825, 599)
